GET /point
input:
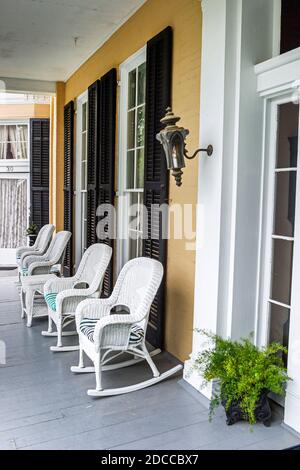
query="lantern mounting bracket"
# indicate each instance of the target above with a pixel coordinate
(209, 150)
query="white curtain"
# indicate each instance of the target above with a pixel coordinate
(12, 137)
(3, 141)
(13, 212)
(22, 139)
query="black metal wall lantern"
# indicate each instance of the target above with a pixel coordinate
(172, 138)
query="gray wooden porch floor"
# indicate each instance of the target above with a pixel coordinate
(44, 406)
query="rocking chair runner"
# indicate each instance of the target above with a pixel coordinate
(39, 248)
(63, 295)
(104, 335)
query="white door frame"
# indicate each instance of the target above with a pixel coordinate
(83, 98)
(267, 215)
(122, 243)
(279, 82)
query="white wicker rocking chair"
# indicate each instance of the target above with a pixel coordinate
(40, 246)
(42, 264)
(104, 334)
(62, 295)
(38, 272)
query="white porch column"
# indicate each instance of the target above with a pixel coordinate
(236, 35)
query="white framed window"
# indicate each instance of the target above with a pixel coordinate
(14, 138)
(131, 156)
(81, 176)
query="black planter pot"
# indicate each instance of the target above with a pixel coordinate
(263, 412)
(32, 239)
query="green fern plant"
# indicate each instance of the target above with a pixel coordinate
(32, 229)
(242, 372)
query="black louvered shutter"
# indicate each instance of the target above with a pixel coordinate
(39, 171)
(68, 182)
(92, 160)
(106, 168)
(158, 98)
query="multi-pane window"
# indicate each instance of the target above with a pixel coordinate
(284, 223)
(135, 156)
(13, 142)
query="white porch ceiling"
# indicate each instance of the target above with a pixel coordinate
(49, 39)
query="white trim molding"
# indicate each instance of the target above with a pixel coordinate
(278, 74)
(278, 82)
(231, 117)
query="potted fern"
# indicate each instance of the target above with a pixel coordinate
(244, 375)
(31, 233)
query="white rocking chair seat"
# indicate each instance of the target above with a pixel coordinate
(87, 327)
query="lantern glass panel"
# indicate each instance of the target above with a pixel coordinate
(177, 147)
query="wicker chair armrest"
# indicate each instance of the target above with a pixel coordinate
(28, 253)
(39, 267)
(59, 284)
(68, 300)
(92, 308)
(120, 326)
(33, 258)
(23, 249)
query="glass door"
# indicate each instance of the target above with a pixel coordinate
(81, 177)
(284, 215)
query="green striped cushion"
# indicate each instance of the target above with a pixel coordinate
(50, 298)
(87, 327)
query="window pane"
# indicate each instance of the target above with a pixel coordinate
(140, 126)
(131, 130)
(282, 271)
(279, 326)
(140, 245)
(140, 169)
(133, 211)
(83, 117)
(12, 133)
(22, 153)
(22, 132)
(83, 146)
(83, 176)
(131, 88)
(130, 170)
(132, 245)
(285, 203)
(142, 83)
(288, 118)
(141, 214)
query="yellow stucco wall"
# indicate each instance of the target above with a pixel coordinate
(24, 111)
(184, 16)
